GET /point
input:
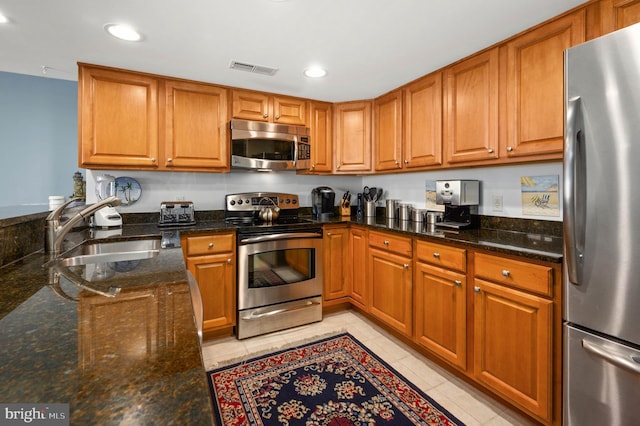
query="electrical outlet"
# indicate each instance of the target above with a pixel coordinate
(497, 203)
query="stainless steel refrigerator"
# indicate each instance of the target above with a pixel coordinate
(601, 209)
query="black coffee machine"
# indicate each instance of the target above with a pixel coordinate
(322, 202)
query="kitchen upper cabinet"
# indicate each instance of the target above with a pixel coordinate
(321, 137)
(196, 124)
(391, 280)
(137, 121)
(534, 85)
(336, 262)
(471, 109)
(359, 284)
(352, 141)
(387, 131)
(118, 119)
(422, 144)
(258, 106)
(617, 14)
(211, 258)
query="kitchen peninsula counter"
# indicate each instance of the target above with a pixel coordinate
(130, 359)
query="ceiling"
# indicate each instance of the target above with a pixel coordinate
(368, 46)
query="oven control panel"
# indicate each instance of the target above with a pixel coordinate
(252, 201)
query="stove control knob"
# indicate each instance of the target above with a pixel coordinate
(288, 201)
(232, 202)
(282, 201)
(294, 201)
(247, 201)
(239, 202)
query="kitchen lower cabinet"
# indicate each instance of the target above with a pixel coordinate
(336, 262)
(211, 259)
(357, 260)
(391, 280)
(441, 302)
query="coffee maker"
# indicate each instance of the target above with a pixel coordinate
(106, 217)
(322, 202)
(460, 199)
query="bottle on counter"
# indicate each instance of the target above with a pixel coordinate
(79, 186)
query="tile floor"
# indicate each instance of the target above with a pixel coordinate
(466, 403)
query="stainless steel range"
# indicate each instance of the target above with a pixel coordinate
(279, 263)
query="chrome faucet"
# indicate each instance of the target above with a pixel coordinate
(55, 232)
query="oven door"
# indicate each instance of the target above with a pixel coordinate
(279, 268)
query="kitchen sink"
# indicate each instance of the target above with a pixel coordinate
(111, 251)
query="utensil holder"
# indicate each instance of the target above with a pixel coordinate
(369, 208)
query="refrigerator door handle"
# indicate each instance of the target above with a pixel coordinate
(625, 361)
(574, 189)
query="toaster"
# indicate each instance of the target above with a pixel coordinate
(177, 213)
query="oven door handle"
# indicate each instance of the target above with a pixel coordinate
(254, 316)
(276, 237)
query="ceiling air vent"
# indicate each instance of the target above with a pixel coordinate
(258, 69)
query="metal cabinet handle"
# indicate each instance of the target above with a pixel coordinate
(490, 150)
(436, 255)
(406, 161)
(476, 289)
(397, 163)
(328, 234)
(277, 117)
(169, 160)
(509, 148)
(210, 245)
(338, 167)
(386, 243)
(229, 261)
(265, 115)
(153, 160)
(313, 166)
(458, 283)
(506, 273)
(405, 266)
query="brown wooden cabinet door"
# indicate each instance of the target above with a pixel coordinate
(512, 345)
(471, 111)
(387, 131)
(196, 126)
(287, 110)
(118, 116)
(391, 289)
(617, 14)
(249, 105)
(321, 137)
(336, 247)
(357, 260)
(217, 282)
(353, 136)
(535, 88)
(440, 306)
(423, 122)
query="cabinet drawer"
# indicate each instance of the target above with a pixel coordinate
(443, 256)
(523, 275)
(210, 244)
(390, 242)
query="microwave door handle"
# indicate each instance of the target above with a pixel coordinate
(295, 153)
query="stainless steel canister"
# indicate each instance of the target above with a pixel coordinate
(392, 209)
(369, 208)
(404, 211)
(434, 217)
(417, 215)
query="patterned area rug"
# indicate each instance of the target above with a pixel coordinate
(335, 381)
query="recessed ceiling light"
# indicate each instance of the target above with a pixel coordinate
(315, 72)
(3, 19)
(123, 32)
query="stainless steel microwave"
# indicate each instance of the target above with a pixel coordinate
(256, 145)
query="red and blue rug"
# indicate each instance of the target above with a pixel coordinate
(335, 381)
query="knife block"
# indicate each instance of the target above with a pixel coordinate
(345, 211)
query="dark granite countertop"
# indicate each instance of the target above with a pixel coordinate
(130, 359)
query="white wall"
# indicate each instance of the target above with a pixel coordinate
(207, 190)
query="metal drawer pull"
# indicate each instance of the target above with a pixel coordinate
(476, 289)
(458, 283)
(406, 266)
(436, 255)
(386, 243)
(619, 359)
(254, 316)
(229, 261)
(505, 273)
(210, 245)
